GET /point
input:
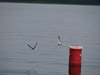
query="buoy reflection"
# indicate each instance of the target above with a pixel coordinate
(74, 70)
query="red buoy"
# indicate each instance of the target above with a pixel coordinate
(75, 55)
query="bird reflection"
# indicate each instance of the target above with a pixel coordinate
(28, 72)
(31, 72)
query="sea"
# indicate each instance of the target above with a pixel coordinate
(28, 23)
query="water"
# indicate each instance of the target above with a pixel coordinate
(22, 24)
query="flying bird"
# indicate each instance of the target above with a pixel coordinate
(33, 48)
(59, 41)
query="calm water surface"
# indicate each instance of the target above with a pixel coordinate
(22, 24)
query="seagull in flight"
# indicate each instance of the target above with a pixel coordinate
(59, 41)
(33, 48)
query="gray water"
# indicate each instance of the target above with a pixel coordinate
(22, 24)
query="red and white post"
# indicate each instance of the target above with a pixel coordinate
(75, 55)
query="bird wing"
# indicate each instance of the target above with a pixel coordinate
(59, 41)
(35, 45)
(29, 46)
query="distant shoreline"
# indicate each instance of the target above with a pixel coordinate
(51, 3)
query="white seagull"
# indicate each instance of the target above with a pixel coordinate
(59, 41)
(33, 48)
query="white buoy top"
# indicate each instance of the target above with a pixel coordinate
(75, 47)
